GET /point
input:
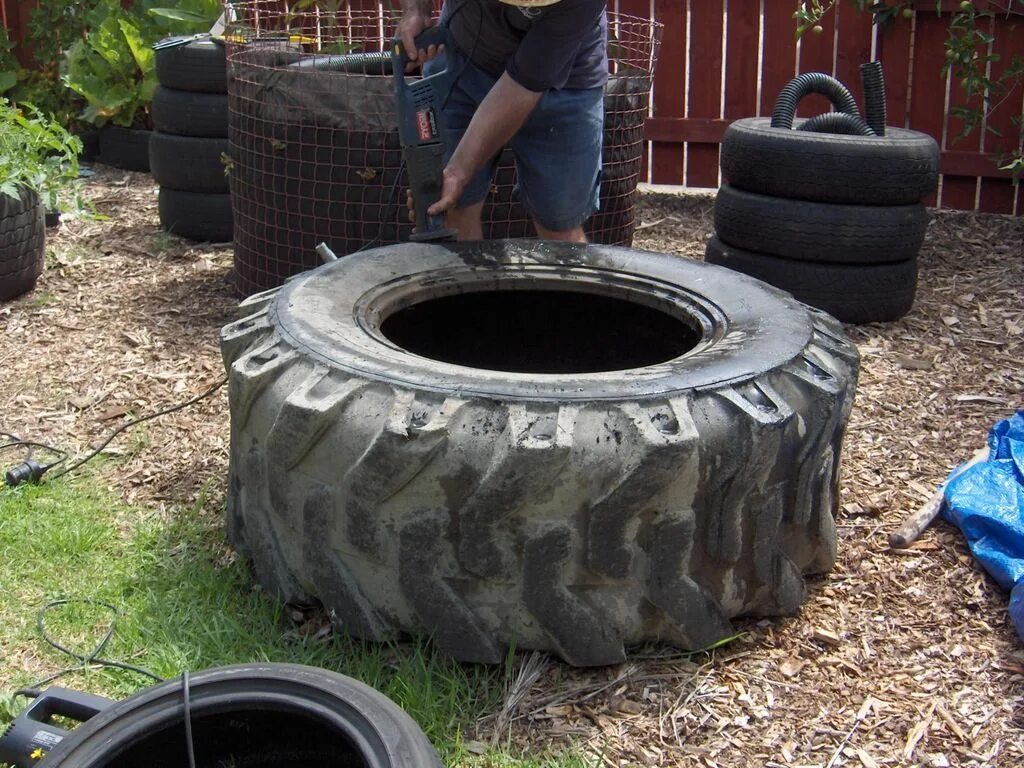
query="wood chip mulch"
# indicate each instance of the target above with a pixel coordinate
(902, 659)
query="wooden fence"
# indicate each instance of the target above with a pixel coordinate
(725, 59)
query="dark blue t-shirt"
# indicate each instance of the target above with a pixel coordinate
(564, 45)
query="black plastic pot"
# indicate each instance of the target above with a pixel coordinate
(125, 148)
(273, 715)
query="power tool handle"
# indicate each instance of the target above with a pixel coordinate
(33, 733)
(425, 165)
(63, 702)
(435, 35)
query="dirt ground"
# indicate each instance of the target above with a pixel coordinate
(897, 659)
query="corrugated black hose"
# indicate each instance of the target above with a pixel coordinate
(811, 82)
(874, 96)
(837, 122)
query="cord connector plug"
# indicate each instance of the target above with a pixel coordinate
(28, 471)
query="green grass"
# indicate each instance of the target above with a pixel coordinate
(185, 602)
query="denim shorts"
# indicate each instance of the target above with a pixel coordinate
(557, 151)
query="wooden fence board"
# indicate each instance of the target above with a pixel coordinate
(779, 65)
(998, 196)
(894, 47)
(705, 84)
(928, 86)
(856, 32)
(961, 191)
(741, 65)
(668, 159)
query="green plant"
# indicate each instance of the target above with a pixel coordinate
(37, 153)
(53, 26)
(200, 14)
(113, 69)
(113, 66)
(969, 56)
(10, 69)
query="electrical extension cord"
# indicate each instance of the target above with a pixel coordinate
(31, 471)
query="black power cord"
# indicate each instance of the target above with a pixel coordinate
(91, 660)
(32, 471)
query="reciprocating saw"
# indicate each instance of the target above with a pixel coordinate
(423, 148)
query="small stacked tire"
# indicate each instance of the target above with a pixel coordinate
(188, 150)
(836, 219)
(22, 237)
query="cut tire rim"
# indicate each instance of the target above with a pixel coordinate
(579, 502)
(258, 715)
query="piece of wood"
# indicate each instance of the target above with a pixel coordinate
(915, 525)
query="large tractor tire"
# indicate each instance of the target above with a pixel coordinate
(546, 445)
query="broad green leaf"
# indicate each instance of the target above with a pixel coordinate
(141, 52)
(179, 15)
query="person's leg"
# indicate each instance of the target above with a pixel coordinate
(558, 159)
(575, 235)
(466, 221)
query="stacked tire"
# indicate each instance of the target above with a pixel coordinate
(834, 218)
(22, 240)
(189, 147)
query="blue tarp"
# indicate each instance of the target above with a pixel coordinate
(986, 502)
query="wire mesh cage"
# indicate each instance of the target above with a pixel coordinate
(315, 152)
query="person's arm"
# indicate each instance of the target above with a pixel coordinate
(502, 112)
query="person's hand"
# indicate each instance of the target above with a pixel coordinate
(451, 190)
(413, 22)
(452, 184)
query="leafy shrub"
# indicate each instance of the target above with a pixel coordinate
(37, 153)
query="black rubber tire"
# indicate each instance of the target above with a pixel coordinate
(852, 293)
(821, 232)
(574, 513)
(199, 66)
(22, 240)
(200, 216)
(190, 114)
(189, 163)
(899, 168)
(125, 148)
(253, 715)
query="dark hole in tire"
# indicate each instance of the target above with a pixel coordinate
(244, 739)
(540, 331)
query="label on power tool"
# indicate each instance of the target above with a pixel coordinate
(426, 124)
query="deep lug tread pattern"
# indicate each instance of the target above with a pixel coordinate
(261, 540)
(488, 523)
(453, 625)
(532, 463)
(581, 637)
(307, 413)
(389, 464)
(343, 599)
(696, 618)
